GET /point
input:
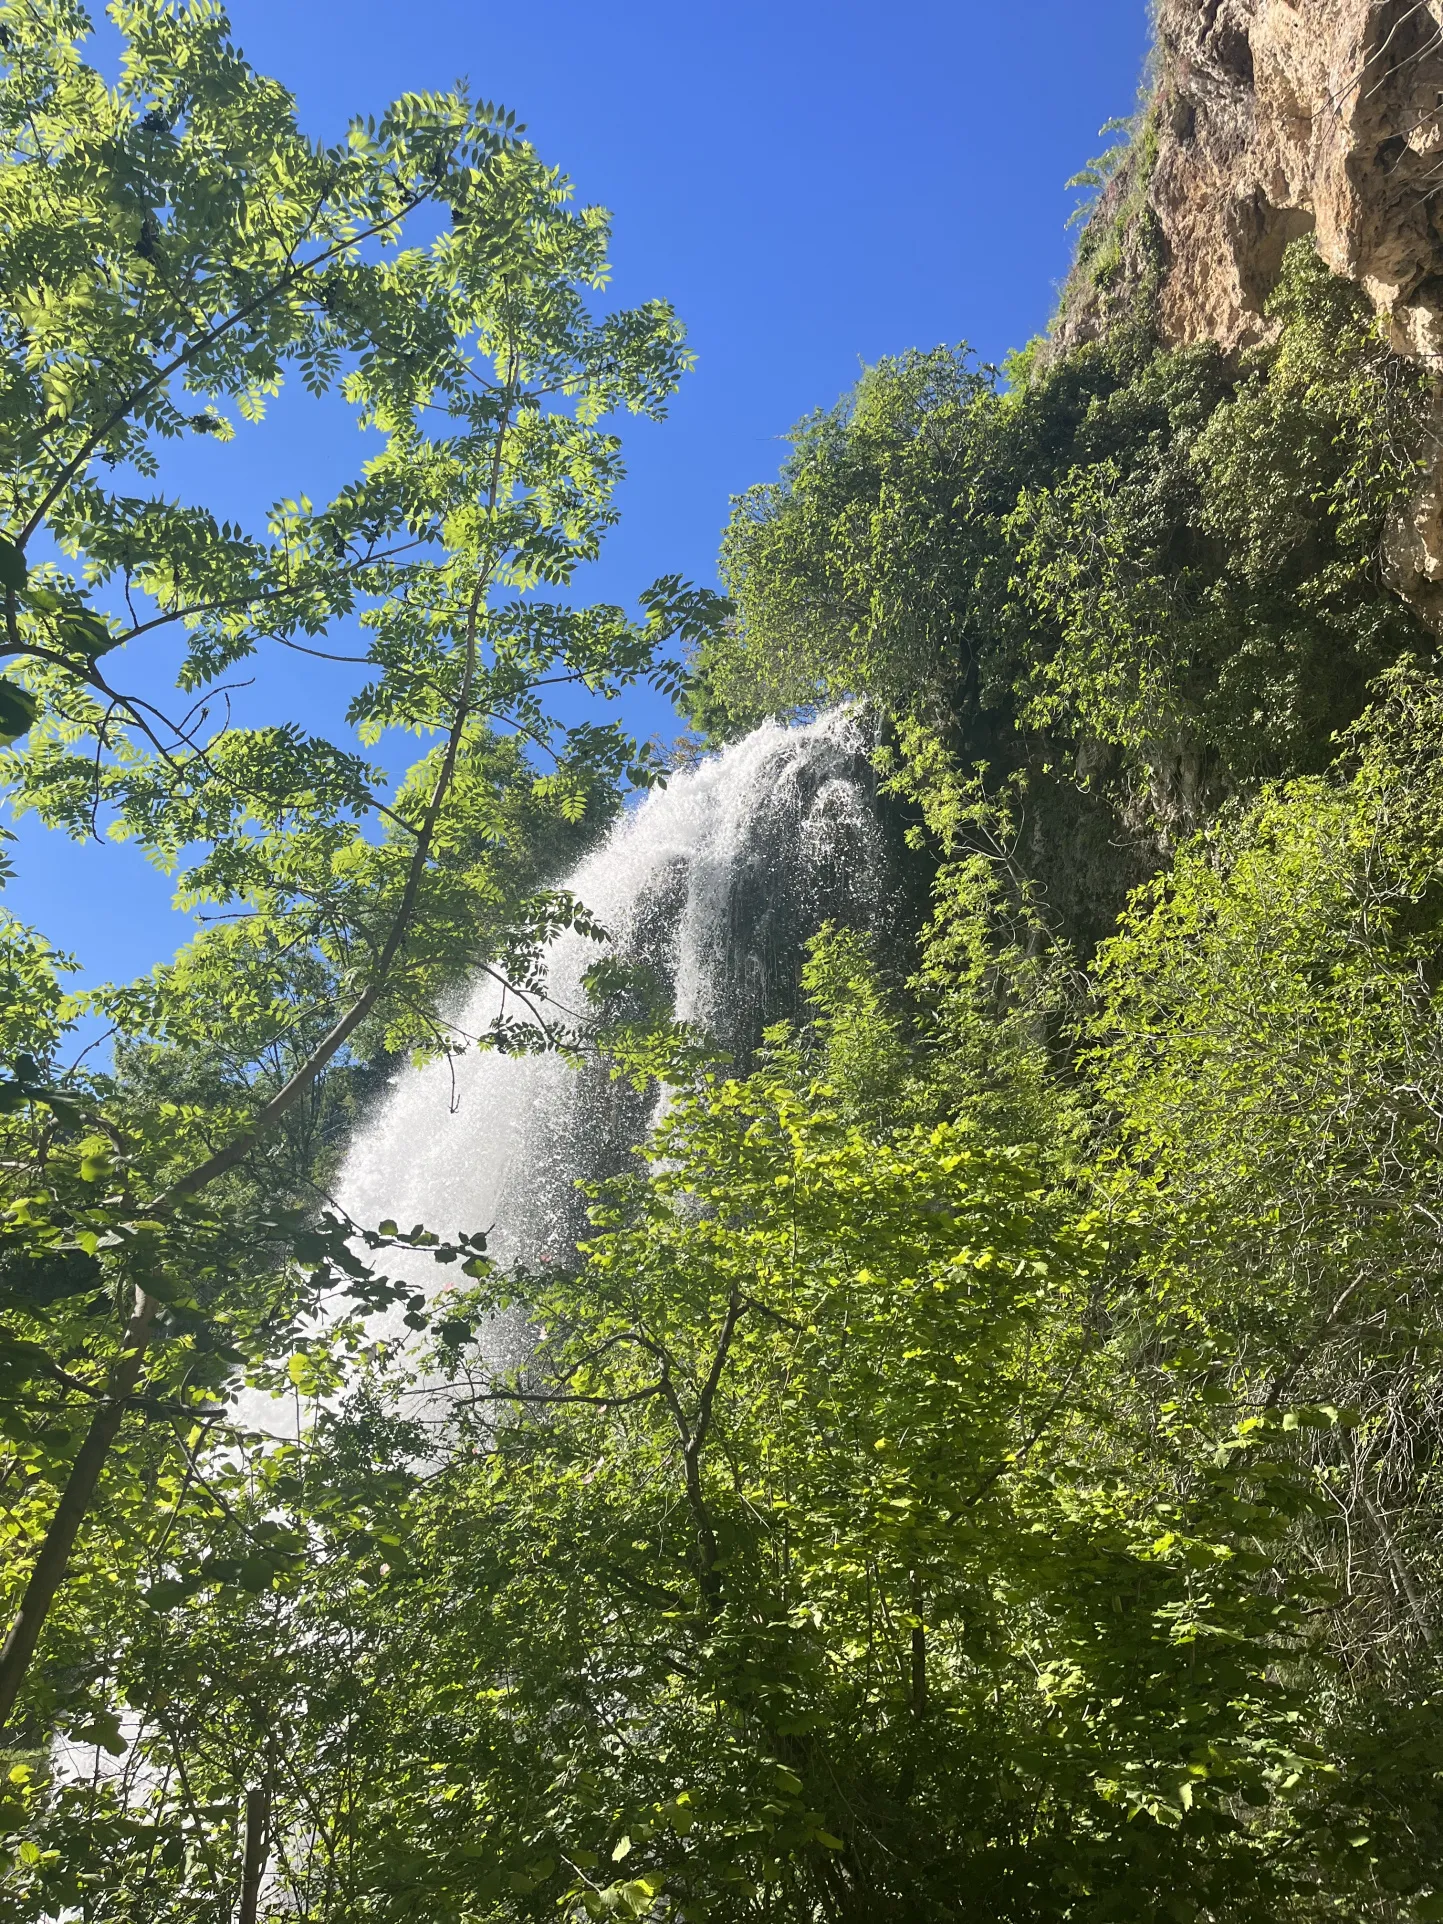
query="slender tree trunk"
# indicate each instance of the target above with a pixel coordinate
(919, 1654)
(84, 1478)
(71, 1511)
(693, 1438)
(253, 1863)
(1417, 1602)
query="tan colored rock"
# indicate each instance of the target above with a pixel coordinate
(1276, 118)
(1281, 117)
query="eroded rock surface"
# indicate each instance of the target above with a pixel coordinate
(1275, 118)
(1272, 119)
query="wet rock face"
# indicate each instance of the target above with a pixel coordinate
(1277, 118)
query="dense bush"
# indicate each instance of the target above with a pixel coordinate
(1153, 560)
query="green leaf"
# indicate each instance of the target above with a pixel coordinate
(18, 710)
(169, 1592)
(12, 566)
(103, 1730)
(88, 635)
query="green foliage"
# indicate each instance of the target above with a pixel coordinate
(1131, 555)
(1117, 274)
(1098, 173)
(981, 1462)
(915, 1516)
(846, 574)
(995, 982)
(1221, 596)
(781, 1579)
(171, 249)
(1267, 1036)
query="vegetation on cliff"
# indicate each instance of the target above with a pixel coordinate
(983, 1462)
(1153, 577)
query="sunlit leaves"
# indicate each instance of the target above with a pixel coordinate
(174, 249)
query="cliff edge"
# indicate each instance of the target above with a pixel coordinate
(1267, 120)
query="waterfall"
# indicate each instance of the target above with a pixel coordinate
(714, 883)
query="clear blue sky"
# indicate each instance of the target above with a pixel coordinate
(812, 183)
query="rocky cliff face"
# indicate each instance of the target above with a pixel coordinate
(1271, 119)
(1274, 118)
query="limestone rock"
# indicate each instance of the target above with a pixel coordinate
(1274, 118)
(1270, 119)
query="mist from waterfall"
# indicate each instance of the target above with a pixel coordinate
(714, 883)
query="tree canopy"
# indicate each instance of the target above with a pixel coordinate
(174, 248)
(979, 1461)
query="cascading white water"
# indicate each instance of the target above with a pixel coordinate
(714, 882)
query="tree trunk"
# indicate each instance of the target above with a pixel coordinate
(84, 1479)
(919, 1652)
(253, 1863)
(70, 1513)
